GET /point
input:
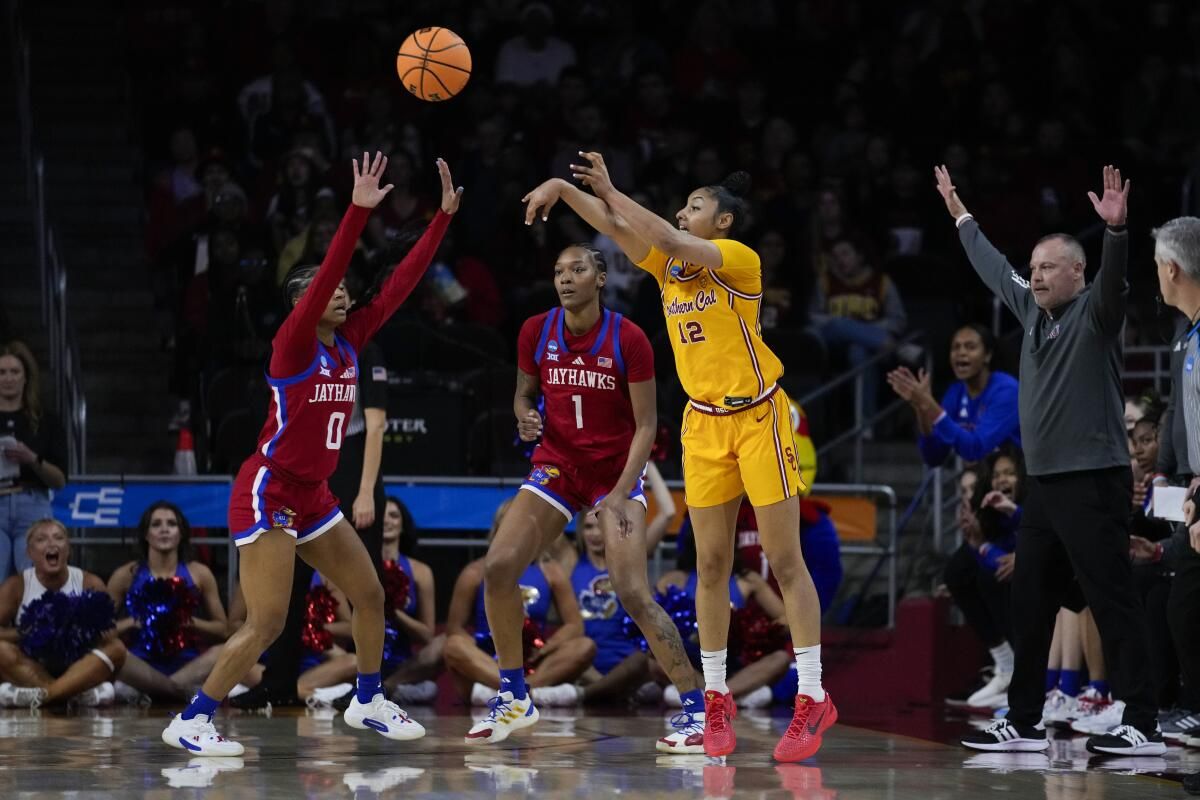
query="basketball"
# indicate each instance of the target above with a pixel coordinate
(434, 64)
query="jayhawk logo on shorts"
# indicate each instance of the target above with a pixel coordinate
(282, 518)
(598, 600)
(543, 475)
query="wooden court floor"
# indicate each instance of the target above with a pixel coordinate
(309, 754)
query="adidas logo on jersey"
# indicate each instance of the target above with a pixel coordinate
(578, 361)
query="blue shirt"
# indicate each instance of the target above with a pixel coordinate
(603, 615)
(974, 426)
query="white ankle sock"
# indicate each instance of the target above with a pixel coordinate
(808, 672)
(713, 664)
(1002, 657)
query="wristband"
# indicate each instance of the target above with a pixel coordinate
(959, 220)
(1117, 228)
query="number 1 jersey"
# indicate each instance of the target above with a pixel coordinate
(585, 381)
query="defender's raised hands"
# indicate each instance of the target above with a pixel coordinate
(1114, 205)
(948, 192)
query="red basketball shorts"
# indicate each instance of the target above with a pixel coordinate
(570, 489)
(263, 498)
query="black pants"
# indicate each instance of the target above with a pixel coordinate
(284, 657)
(985, 602)
(1153, 584)
(1183, 613)
(1075, 525)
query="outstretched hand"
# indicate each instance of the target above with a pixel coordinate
(948, 192)
(367, 193)
(451, 196)
(594, 175)
(1114, 205)
(539, 202)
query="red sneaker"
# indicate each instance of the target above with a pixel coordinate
(719, 713)
(803, 737)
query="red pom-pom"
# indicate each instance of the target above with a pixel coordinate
(320, 609)
(533, 640)
(396, 588)
(753, 635)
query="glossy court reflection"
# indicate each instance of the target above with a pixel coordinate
(569, 754)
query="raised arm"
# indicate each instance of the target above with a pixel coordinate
(647, 225)
(295, 343)
(365, 321)
(991, 265)
(1110, 294)
(594, 211)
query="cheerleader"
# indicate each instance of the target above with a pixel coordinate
(29, 682)
(165, 659)
(555, 664)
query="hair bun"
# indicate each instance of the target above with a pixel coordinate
(737, 183)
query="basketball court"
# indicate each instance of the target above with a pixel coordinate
(570, 753)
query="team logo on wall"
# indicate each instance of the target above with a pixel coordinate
(598, 600)
(543, 475)
(283, 518)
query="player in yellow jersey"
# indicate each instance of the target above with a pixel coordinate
(737, 433)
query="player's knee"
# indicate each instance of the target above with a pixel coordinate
(501, 567)
(713, 571)
(789, 570)
(265, 629)
(635, 599)
(368, 596)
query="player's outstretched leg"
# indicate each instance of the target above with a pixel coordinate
(266, 578)
(340, 556)
(779, 531)
(524, 531)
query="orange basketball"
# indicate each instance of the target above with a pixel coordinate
(434, 64)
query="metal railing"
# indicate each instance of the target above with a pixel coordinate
(63, 367)
(1160, 371)
(856, 375)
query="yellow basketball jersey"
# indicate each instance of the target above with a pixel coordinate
(713, 321)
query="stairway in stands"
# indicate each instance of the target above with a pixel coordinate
(82, 113)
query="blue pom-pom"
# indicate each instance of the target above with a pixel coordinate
(58, 629)
(681, 608)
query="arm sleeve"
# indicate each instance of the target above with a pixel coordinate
(363, 324)
(895, 319)
(372, 377)
(994, 269)
(655, 263)
(740, 266)
(638, 355)
(295, 344)
(995, 425)
(527, 343)
(1110, 293)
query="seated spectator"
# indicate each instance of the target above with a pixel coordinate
(978, 413)
(33, 454)
(405, 206)
(535, 56)
(409, 674)
(29, 683)
(166, 662)
(564, 656)
(780, 304)
(857, 311)
(291, 208)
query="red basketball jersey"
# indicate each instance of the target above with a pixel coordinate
(585, 382)
(309, 412)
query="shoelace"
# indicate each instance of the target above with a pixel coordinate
(499, 707)
(996, 726)
(715, 716)
(684, 722)
(799, 724)
(394, 710)
(1129, 734)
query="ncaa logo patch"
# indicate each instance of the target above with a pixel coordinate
(552, 346)
(324, 369)
(282, 518)
(543, 475)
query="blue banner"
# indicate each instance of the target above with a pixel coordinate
(120, 503)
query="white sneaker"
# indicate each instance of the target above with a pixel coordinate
(21, 696)
(130, 696)
(688, 736)
(481, 695)
(102, 694)
(324, 696)
(507, 714)
(1059, 709)
(415, 693)
(759, 698)
(240, 688)
(199, 736)
(381, 780)
(384, 717)
(562, 695)
(1100, 719)
(200, 772)
(671, 697)
(649, 694)
(987, 694)
(1089, 700)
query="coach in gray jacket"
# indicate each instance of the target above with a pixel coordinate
(1074, 523)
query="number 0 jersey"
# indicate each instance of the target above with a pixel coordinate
(713, 321)
(585, 381)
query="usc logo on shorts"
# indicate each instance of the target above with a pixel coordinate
(543, 475)
(791, 459)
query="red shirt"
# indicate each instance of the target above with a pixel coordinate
(585, 381)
